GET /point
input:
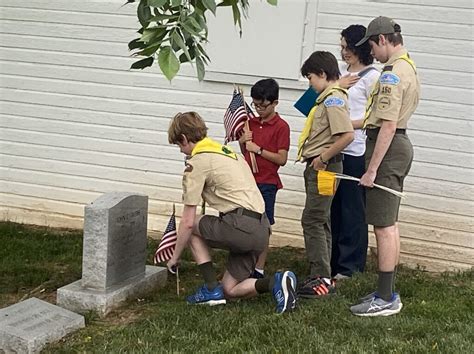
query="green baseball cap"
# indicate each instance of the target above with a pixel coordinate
(379, 25)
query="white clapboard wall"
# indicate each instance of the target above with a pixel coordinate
(76, 123)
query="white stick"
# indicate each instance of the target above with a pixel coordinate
(397, 193)
(177, 281)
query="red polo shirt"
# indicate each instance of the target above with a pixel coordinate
(272, 136)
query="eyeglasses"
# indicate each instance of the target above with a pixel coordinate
(260, 106)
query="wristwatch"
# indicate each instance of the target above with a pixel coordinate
(321, 159)
(259, 152)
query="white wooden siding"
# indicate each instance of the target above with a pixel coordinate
(76, 123)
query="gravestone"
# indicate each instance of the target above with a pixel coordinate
(28, 326)
(114, 256)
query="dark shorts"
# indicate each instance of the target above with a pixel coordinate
(269, 192)
(243, 236)
(382, 207)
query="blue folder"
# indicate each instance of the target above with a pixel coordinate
(306, 101)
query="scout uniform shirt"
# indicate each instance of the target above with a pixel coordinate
(330, 117)
(222, 177)
(396, 94)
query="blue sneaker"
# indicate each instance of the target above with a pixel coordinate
(284, 291)
(204, 296)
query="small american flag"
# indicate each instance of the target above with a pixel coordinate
(235, 117)
(167, 244)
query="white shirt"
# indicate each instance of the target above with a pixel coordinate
(357, 100)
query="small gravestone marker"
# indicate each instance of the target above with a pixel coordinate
(28, 326)
(114, 255)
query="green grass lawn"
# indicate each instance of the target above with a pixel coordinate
(437, 315)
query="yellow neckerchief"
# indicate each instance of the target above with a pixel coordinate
(309, 120)
(375, 89)
(210, 146)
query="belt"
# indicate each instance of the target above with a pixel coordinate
(334, 159)
(243, 211)
(374, 132)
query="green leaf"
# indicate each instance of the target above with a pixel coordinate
(150, 50)
(202, 51)
(194, 23)
(149, 35)
(142, 64)
(161, 17)
(157, 3)
(201, 71)
(189, 28)
(192, 52)
(135, 44)
(210, 5)
(175, 3)
(176, 38)
(227, 3)
(200, 18)
(143, 13)
(236, 14)
(273, 2)
(168, 62)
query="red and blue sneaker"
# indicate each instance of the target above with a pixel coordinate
(316, 287)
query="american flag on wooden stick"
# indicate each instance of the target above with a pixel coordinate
(235, 117)
(165, 249)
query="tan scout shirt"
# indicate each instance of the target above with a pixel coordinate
(223, 182)
(330, 118)
(397, 94)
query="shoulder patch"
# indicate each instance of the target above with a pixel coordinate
(188, 168)
(384, 103)
(334, 102)
(386, 90)
(389, 78)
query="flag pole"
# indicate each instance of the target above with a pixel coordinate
(389, 190)
(252, 154)
(177, 267)
(177, 281)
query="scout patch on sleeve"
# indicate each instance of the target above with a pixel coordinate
(389, 79)
(334, 102)
(384, 103)
(386, 90)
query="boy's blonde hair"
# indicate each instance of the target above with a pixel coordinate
(189, 124)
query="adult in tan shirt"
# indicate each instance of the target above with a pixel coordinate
(328, 130)
(224, 180)
(389, 154)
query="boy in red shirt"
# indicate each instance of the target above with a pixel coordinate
(269, 139)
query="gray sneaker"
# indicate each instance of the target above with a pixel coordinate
(378, 307)
(367, 297)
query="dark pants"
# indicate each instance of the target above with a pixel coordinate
(269, 192)
(349, 229)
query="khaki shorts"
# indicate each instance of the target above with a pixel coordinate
(243, 236)
(382, 207)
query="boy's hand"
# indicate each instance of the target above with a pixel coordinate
(251, 146)
(246, 136)
(318, 164)
(172, 265)
(348, 81)
(367, 180)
